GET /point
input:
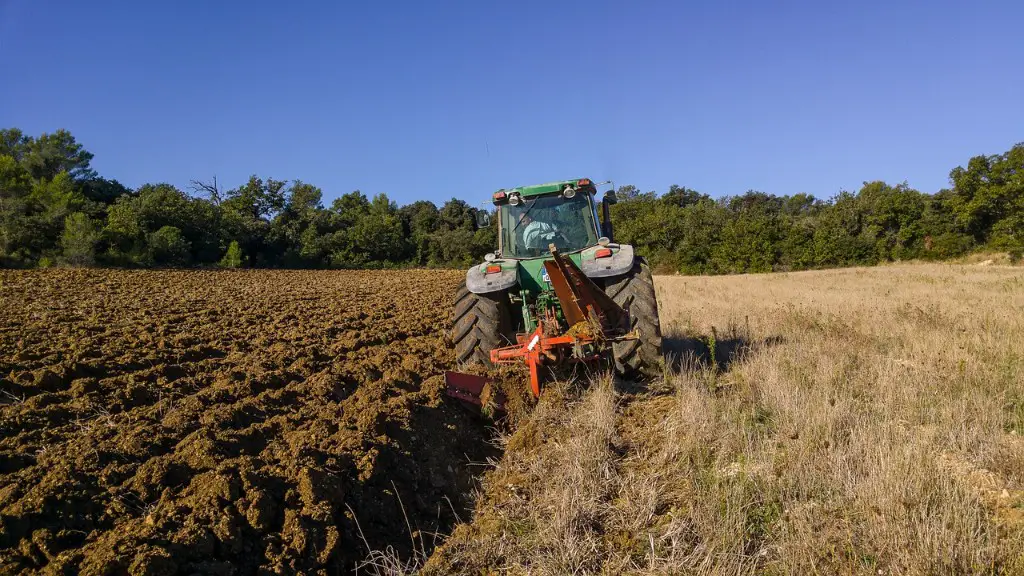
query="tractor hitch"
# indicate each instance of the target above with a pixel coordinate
(595, 322)
(594, 319)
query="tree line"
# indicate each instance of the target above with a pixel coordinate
(56, 210)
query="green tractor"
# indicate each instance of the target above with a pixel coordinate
(556, 266)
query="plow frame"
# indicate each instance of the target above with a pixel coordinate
(595, 321)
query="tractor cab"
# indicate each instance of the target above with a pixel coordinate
(532, 218)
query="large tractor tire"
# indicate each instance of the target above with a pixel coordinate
(634, 292)
(481, 323)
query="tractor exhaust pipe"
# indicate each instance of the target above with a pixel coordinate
(606, 212)
(606, 217)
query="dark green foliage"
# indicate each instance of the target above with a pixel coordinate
(133, 220)
(55, 209)
(15, 234)
(48, 155)
(420, 219)
(168, 247)
(691, 233)
(750, 239)
(78, 242)
(988, 197)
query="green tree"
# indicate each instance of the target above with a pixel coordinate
(451, 247)
(987, 196)
(419, 220)
(350, 207)
(629, 192)
(48, 204)
(632, 219)
(838, 240)
(168, 247)
(125, 233)
(15, 186)
(702, 225)
(375, 237)
(247, 212)
(942, 237)
(14, 143)
(103, 191)
(750, 239)
(300, 225)
(53, 154)
(681, 197)
(456, 214)
(78, 241)
(455, 241)
(233, 258)
(132, 219)
(54, 207)
(892, 218)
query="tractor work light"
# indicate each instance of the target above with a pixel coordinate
(603, 253)
(514, 199)
(569, 192)
(493, 269)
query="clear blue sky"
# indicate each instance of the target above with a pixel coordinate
(424, 99)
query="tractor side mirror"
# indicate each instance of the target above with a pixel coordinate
(483, 218)
(610, 197)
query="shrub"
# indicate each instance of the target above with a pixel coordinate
(233, 257)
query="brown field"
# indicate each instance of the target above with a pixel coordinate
(225, 422)
(855, 421)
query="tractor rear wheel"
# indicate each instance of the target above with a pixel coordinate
(481, 323)
(634, 292)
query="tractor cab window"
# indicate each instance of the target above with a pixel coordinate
(527, 229)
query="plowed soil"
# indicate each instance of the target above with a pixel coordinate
(158, 422)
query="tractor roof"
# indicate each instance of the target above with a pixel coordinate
(551, 187)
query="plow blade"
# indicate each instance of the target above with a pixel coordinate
(580, 297)
(472, 389)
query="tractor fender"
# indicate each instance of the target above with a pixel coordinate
(479, 282)
(620, 262)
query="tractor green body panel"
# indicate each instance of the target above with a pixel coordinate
(531, 273)
(542, 189)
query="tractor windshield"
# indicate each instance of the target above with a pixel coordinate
(527, 229)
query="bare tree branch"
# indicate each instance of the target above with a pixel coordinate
(208, 189)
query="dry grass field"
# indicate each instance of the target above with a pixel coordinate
(859, 421)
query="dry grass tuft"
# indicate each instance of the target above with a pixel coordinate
(862, 421)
